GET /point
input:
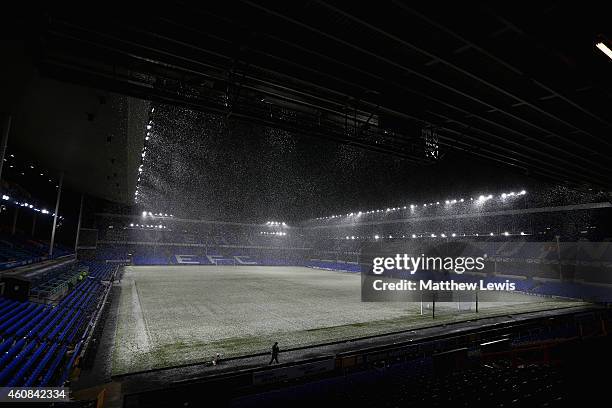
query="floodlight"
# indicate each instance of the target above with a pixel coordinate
(604, 48)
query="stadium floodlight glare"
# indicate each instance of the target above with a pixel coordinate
(491, 234)
(148, 127)
(447, 202)
(131, 224)
(5, 197)
(522, 233)
(433, 235)
(506, 233)
(150, 214)
(413, 235)
(504, 195)
(443, 235)
(604, 48)
(522, 192)
(453, 235)
(376, 237)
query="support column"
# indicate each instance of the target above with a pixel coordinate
(559, 257)
(16, 214)
(34, 224)
(57, 203)
(6, 127)
(78, 231)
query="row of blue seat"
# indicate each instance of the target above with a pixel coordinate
(102, 271)
(36, 339)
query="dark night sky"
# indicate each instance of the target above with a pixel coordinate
(201, 165)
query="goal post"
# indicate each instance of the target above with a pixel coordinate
(224, 262)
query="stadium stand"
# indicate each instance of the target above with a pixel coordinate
(17, 251)
(40, 342)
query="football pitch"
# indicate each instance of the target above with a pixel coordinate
(172, 315)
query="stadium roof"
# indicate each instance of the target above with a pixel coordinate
(525, 88)
(92, 135)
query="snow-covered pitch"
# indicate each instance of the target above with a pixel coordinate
(172, 315)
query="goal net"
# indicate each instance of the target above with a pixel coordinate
(224, 262)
